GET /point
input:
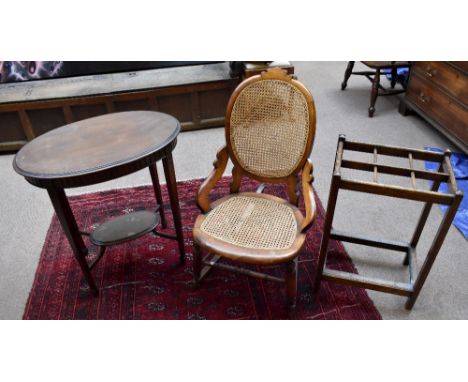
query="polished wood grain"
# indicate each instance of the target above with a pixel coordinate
(446, 77)
(308, 194)
(460, 65)
(99, 149)
(96, 144)
(440, 106)
(202, 197)
(438, 92)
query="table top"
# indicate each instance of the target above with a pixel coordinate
(95, 145)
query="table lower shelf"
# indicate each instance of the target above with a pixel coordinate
(124, 228)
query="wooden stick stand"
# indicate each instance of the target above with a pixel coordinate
(452, 199)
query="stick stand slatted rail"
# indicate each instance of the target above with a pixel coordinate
(453, 199)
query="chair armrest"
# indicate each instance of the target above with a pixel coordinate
(203, 200)
(308, 194)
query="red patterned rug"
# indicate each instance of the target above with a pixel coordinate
(142, 279)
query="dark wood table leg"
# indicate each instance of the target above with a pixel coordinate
(169, 172)
(68, 222)
(157, 192)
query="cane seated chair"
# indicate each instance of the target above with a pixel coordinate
(270, 128)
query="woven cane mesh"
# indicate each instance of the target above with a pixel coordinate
(269, 128)
(253, 223)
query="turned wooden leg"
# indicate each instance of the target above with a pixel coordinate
(157, 192)
(348, 72)
(374, 92)
(171, 182)
(394, 77)
(291, 282)
(197, 264)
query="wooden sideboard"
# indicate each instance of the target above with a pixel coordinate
(196, 95)
(438, 92)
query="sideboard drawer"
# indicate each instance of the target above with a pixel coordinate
(437, 105)
(445, 76)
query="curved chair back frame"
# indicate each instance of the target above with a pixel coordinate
(270, 129)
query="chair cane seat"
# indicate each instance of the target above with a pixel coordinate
(252, 225)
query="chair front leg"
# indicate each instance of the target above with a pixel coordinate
(291, 282)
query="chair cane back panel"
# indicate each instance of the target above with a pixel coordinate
(270, 125)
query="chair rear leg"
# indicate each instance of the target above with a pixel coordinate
(291, 283)
(348, 72)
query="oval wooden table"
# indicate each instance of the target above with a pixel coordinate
(96, 150)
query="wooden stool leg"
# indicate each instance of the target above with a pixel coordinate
(197, 264)
(374, 92)
(394, 77)
(157, 192)
(348, 72)
(291, 283)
